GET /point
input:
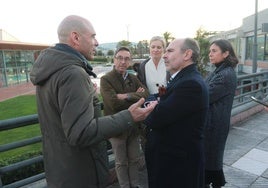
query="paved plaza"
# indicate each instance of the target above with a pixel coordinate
(246, 155)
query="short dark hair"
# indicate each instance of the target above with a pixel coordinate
(122, 48)
(225, 45)
(193, 45)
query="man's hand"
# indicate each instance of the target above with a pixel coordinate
(122, 96)
(140, 90)
(138, 113)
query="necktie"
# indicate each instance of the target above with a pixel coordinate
(169, 81)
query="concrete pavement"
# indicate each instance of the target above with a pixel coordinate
(246, 154)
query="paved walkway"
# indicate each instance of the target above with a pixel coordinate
(246, 152)
(16, 90)
(246, 155)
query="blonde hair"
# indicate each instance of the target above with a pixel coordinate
(158, 38)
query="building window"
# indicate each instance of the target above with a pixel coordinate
(2, 70)
(262, 47)
(18, 64)
(249, 47)
(265, 50)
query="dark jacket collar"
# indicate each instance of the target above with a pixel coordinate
(184, 71)
(68, 49)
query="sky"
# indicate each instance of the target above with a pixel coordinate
(36, 21)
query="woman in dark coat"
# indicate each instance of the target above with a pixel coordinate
(222, 86)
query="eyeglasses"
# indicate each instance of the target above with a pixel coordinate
(121, 58)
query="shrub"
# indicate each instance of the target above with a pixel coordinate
(23, 172)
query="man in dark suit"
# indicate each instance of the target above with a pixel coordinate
(175, 150)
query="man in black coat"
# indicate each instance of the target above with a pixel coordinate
(175, 142)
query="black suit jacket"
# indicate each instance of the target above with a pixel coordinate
(177, 128)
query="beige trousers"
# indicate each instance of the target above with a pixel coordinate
(126, 150)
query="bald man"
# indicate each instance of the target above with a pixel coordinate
(73, 137)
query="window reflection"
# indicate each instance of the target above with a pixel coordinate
(15, 66)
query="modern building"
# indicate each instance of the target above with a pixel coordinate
(16, 59)
(5, 36)
(242, 39)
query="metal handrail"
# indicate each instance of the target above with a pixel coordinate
(13, 123)
(251, 85)
(21, 164)
(20, 143)
(18, 122)
(26, 181)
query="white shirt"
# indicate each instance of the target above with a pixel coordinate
(155, 75)
(173, 75)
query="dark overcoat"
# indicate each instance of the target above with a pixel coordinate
(222, 84)
(176, 129)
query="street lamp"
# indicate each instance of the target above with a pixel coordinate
(127, 32)
(255, 44)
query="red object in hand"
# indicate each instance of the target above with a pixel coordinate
(161, 90)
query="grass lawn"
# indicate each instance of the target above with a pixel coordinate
(16, 107)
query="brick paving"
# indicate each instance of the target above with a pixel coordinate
(16, 90)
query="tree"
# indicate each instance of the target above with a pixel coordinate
(127, 44)
(168, 37)
(142, 48)
(124, 43)
(110, 53)
(100, 53)
(202, 38)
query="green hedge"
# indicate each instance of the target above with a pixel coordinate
(24, 172)
(99, 59)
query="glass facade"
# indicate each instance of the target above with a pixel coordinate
(249, 47)
(265, 48)
(262, 47)
(15, 66)
(2, 70)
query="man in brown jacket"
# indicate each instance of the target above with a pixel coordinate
(119, 90)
